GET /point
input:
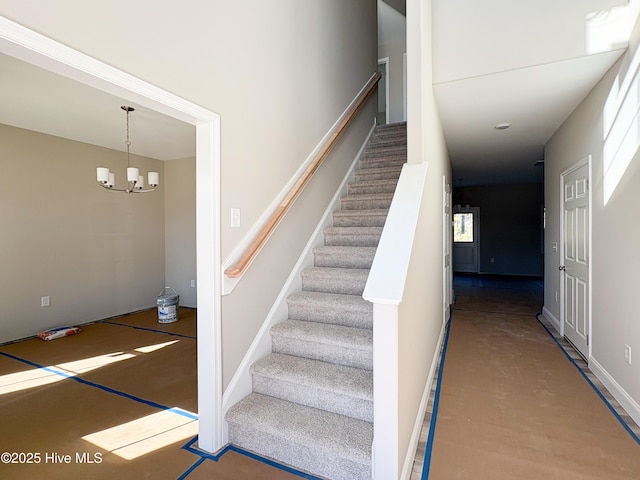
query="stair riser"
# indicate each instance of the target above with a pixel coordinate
(331, 315)
(334, 240)
(343, 261)
(342, 404)
(299, 456)
(393, 140)
(330, 285)
(375, 188)
(353, 203)
(388, 152)
(355, 221)
(385, 131)
(337, 354)
(365, 174)
(383, 162)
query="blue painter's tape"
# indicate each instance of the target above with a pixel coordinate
(436, 403)
(209, 456)
(602, 397)
(155, 330)
(192, 468)
(274, 464)
(55, 371)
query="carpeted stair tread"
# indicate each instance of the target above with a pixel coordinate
(337, 344)
(373, 186)
(367, 201)
(335, 388)
(341, 256)
(375, 217)
(384, 161)
(377, 172)
(397, 128)
(390, 151)
(350, 281)
(335, 308)
(323, 443)
(354, 236)
(389, 142)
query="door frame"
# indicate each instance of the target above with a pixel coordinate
(404, 87)
(385, 61)
(447, 243)
(582, 162)
(31, 47)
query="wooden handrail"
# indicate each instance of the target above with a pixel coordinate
(251, 252)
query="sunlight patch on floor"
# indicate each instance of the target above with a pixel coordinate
(15, 382)
(147, 434)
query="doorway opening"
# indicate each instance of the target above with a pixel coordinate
(31, 47)
(382, 117)
(466, 239)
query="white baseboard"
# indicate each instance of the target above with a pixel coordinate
(554, 321)
(240, 385)
(620, 394)
(417, 427)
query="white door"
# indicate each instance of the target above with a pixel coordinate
(574, 265)
(446, 241)
(466, 241)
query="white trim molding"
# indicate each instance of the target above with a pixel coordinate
(620, 394)
(553, 320)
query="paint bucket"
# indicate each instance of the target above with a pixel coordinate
(168, 305)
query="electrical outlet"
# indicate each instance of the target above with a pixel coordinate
(556, 296)
(492, 260)
(45, 301)
(627, 354)
(193, 283)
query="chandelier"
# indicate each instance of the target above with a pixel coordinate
(135, 181)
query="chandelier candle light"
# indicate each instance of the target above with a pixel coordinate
(135, 181)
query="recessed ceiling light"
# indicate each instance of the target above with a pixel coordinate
(502, 126)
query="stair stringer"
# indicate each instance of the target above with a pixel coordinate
(241, 383)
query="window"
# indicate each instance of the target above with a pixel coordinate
(463, 227)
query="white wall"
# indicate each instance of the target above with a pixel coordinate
(395, 52)
(180, 228)
(616, 235)
(97, 254)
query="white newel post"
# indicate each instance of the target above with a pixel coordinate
(386, 456)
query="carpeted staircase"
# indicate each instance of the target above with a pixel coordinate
(312, 401)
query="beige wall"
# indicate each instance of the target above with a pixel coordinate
(279, 73)
(95, 253)
(616, 233)
(180, 228)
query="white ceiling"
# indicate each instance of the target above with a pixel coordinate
(529, 63)
(36, 99)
